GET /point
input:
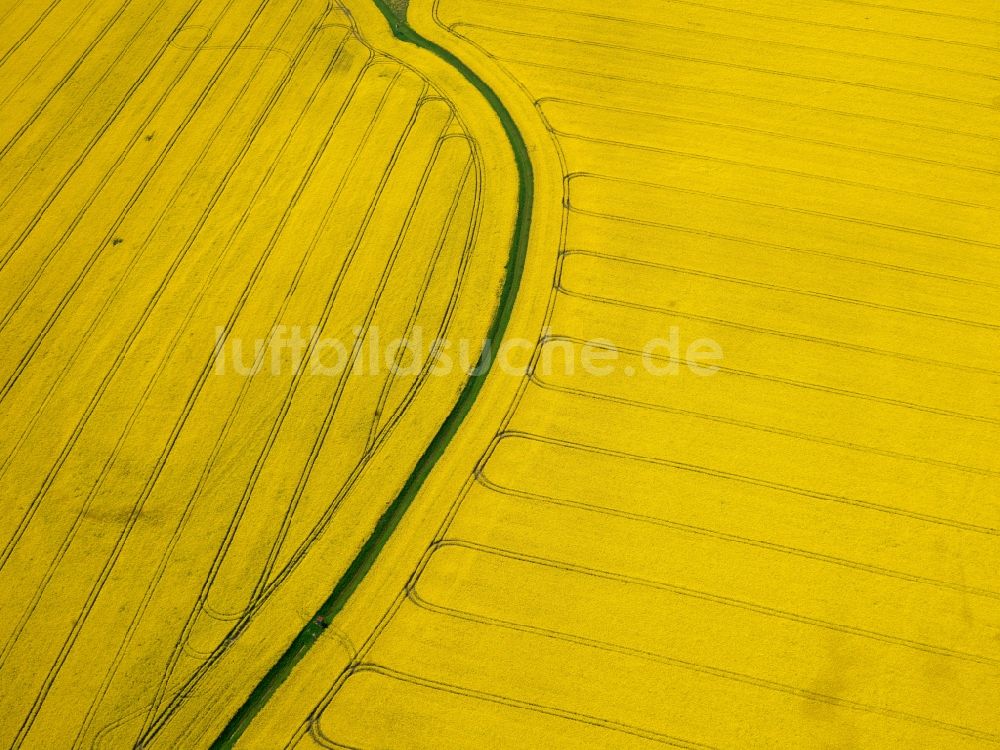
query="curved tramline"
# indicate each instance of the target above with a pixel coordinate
(369, 551)
(189, 474)
(499, 373)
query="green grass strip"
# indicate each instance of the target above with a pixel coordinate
(370, 550)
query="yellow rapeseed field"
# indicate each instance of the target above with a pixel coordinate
(734, 484)
(785, 536)
(185, 186)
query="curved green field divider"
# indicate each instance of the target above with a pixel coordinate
(369, 552)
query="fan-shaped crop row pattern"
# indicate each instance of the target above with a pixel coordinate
(184, 187)
(798, 550)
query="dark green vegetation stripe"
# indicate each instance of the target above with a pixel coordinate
(369, 552)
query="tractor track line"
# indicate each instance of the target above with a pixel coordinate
(369, 552)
